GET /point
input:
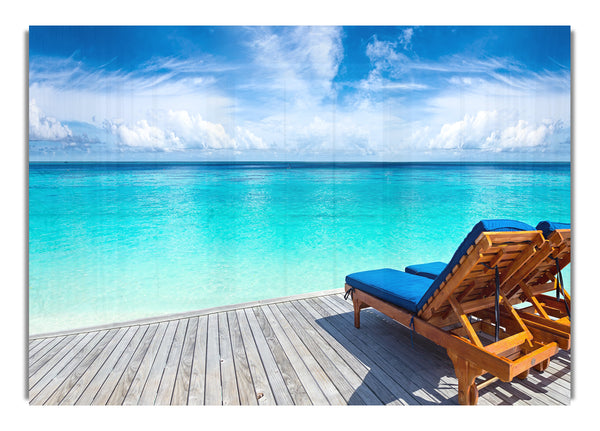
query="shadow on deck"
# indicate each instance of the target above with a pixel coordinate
(406, 367)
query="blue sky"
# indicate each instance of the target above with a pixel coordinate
(299, 93)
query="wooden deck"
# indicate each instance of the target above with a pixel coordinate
(298, 351)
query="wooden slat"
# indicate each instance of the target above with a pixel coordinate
(278, 385)
(262, 387)
(40, 369)
(504, 344)
(497, 389)
(242, 369)
(380, 373)
(228, 379)
(456, 278)
(132, 383)
(197, 379)
(407, 352)
(129, 378)
(45, 350)
(315, 346)
(373, 343)
(355, 372)
(324, 382)
(464, 320)
(169, 373)
(307, 380)
(538, 307)
(148, 394)
(33, 343)
(213, 392)
(86, 396)
(291, 379)
(184, 371)
(109, 385)
(74, 375)
(41, 391)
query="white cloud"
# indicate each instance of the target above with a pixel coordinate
(144, 136)
(179, 130)
(492, 131)
(43, 128)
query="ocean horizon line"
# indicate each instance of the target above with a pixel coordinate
(288, 162)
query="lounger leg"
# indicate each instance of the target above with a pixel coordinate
(541, 367)
(466, 374)
(357, 307)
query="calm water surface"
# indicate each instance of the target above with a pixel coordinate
(113, 242)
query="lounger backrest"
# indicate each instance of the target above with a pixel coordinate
(559, 237)
(507, 243)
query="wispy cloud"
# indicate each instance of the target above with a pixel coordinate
(155, 77)
(303, 61)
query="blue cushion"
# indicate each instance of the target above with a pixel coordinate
(391, 285)
(547, 227)
(430, 270)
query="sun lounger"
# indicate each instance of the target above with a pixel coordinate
(460, 309)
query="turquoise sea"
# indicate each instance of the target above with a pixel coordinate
(117, 241)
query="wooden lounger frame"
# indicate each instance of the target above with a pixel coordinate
(469, 292)
(544, 278)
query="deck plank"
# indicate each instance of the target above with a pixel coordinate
(242, 369)
(325, 384)
(231, 395)
(36, 345)
(133, 381)
(169, 374)
(307, 380)
(198, 376)
(99, 369)
(334, 367)
(40, 369)
(40, 354)
(150, 391)
(276, 380)
(127, 379)
(401, 354)
(264, 394)
(184, 371)
(214, 391)
(33, 343)
(294, 385)
(109, 384)
(78, 371)
(435, 373)
(520, 394)
(380, 364)
(42, 390)
(368, 383)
